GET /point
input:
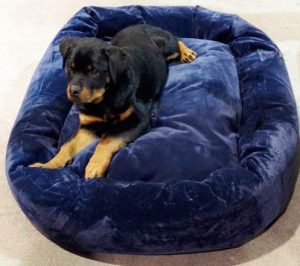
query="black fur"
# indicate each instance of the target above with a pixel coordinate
(132, 70)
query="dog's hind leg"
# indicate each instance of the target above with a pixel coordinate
(171, 47)
(187, 55)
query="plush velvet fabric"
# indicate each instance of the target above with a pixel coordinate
(216, 169)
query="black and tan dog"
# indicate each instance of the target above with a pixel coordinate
(115, 86)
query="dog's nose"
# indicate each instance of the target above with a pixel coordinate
(75, 90)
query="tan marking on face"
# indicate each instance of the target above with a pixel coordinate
(172, 56)
(97, 95)
(72, 65)
(90, 67)
(91, 95)
(85, 95)
(68, 92)
(101, 159)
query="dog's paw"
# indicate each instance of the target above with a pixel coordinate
(45, 165)
(38, 165)
(188, 56)
(96, 168)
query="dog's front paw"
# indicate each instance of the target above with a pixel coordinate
(96, 168)
(45, 165)
(38, 165)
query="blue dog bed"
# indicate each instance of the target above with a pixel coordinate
(215, 170)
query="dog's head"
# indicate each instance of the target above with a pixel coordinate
(97, 72)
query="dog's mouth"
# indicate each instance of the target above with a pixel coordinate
(83, 95)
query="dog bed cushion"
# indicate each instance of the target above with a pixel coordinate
(216, 168)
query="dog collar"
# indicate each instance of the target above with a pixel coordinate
(90, 119)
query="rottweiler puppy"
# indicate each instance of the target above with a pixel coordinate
(115, 87)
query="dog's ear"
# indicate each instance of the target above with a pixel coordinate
(66, 46)
(119, 63)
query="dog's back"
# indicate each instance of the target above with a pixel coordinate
(149, 61)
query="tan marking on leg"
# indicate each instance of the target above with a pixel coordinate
(69, 150)
(186, 55)
(172, 56)
(104, 152)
